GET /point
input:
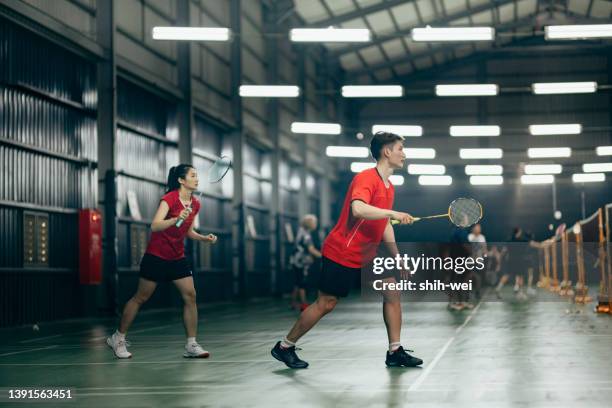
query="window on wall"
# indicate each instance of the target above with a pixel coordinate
(289, 187)
(146, 130)
(289, 182)
(313, 188)
(257, 186)
(35, 239)
(257, 195)
(209, 144)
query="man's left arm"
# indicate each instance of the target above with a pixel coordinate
(391, 246)
(389, 240)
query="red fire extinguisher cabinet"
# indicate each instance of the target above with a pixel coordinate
(90, 247)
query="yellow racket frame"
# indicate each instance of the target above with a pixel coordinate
(448, 213)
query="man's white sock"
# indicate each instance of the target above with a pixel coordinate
(119, 335)
(394, 346)
(286, 343)
(191, 340)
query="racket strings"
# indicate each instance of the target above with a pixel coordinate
(219, 168)
(465, 212)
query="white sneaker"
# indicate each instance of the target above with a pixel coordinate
(119, 346)
(194, 350)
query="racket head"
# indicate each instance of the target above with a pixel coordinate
(219, 169)
(464, 212)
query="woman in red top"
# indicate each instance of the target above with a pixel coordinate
(165, 261)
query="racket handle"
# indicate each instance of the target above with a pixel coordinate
(180, 222)
(395, 222)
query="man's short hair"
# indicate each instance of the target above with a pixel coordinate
(382, 139)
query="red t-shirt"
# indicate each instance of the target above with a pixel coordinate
(169, 244)
(353, 241)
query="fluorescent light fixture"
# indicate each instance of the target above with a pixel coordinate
(346, 151)
(372, 91)
(546, 152)
(543, 88)
(191, 33)
(596, 167)
(588, 177)
(396, 179)
(330, 34)
(577, 32)
(420, 153)
(453, 34)
(543, 169)
(537, 179)
(358, 167)
(564, 129)
(600, 150)
(467, 90)
(316, 128)
(486, 180)
(459, 131)
(426, 169)
(269, 91)
(481, 153)
(435, 180)
(402, 130)
(483, 169)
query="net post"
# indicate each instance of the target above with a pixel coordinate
(582, 291)
(554, 283)
(603, 297)
(546, 283)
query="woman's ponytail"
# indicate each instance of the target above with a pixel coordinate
(175, 173)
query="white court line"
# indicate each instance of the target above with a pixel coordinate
(199, 392)
(201, 361)
(40, 339)
(137, 331)
(27, 351)
(415, 385)
(259, 383)
(318, 390)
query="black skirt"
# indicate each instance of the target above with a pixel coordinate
(156, 269)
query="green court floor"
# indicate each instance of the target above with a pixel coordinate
(501, 354)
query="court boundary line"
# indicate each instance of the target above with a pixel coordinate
(415, 385)
(322, 390)
(27, 351)
(40, 339)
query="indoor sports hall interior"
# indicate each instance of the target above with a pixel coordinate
(171, 170)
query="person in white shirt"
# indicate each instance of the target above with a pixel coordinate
(479, 249)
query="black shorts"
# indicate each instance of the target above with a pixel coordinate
(336, 279)
(156, 269)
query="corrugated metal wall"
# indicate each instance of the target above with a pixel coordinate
(289, 183)
(213, 262)
(147, 146)
(257, 196)
(48, 148)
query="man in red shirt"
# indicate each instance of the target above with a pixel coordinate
(364, 222)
